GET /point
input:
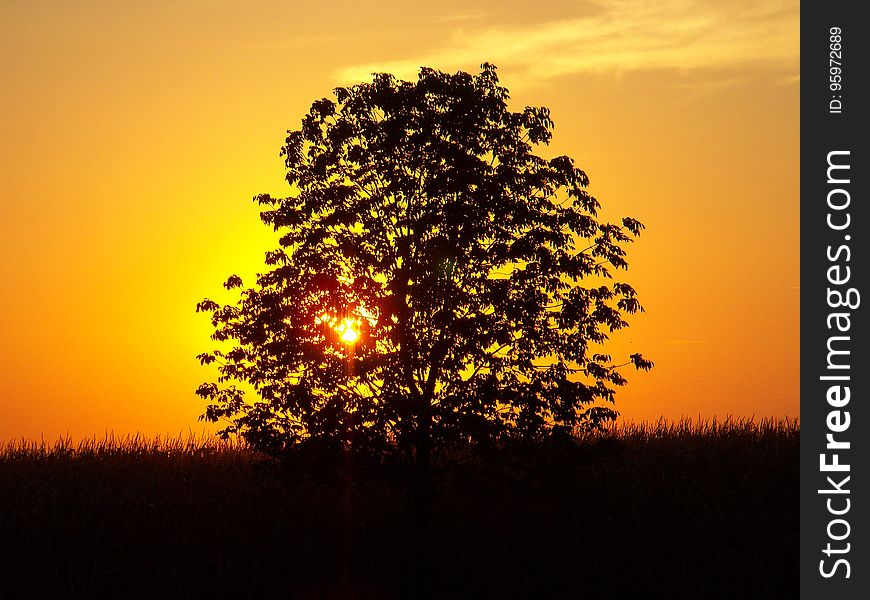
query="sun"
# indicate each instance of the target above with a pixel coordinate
(348, 329)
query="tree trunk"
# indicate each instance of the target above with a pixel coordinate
(423, 507)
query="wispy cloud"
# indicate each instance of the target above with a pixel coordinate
(620, 36)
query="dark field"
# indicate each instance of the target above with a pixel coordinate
(667, 511)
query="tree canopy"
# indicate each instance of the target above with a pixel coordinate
(437, 282)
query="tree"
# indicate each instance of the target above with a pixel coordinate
(437, 282)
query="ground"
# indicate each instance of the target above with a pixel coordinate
(676, 512)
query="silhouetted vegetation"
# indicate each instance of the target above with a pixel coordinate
(437, 285)
(684, 510)
(437, 281)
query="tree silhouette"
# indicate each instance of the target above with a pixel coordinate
(437, 282)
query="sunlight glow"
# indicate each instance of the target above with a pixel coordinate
(348, 330)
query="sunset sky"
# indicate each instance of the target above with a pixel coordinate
(134, 134)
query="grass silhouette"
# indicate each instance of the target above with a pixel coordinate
(700, 509)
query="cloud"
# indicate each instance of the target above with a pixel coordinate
(617, 37)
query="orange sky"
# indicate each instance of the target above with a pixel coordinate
(133, 137)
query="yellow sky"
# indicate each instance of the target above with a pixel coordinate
(133, 135)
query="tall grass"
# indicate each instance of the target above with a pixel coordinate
(192, 444)
(710, 428)
(204, 444)
(687, 509)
